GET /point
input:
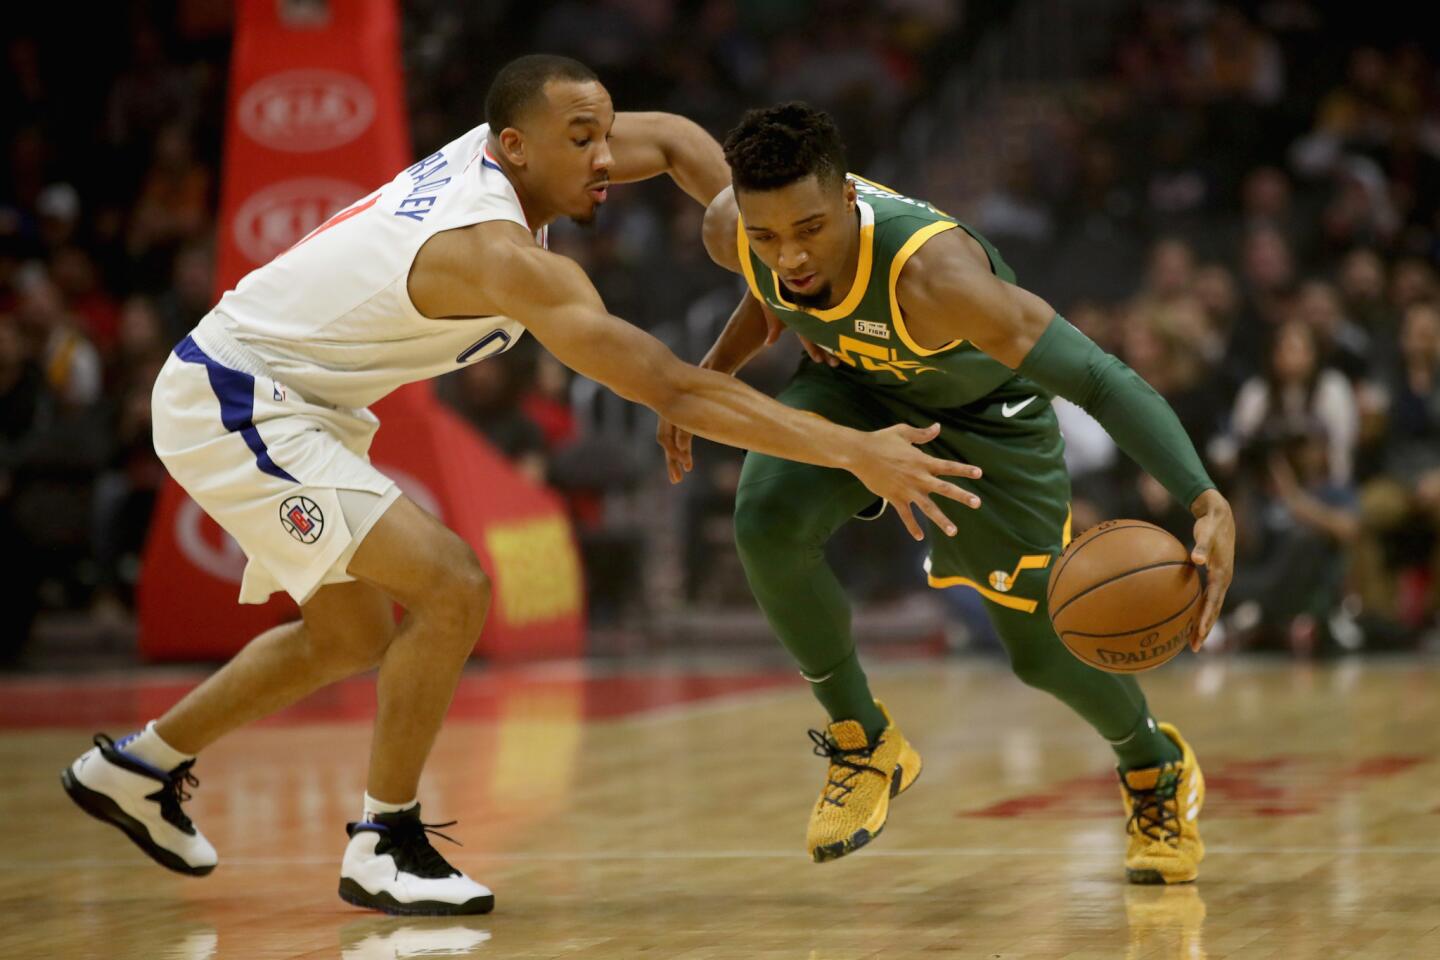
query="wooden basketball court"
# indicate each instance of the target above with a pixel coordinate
(660, 812)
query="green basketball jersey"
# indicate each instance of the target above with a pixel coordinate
(866, 331)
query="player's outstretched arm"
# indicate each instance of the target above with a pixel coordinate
(946, 293)
(496, 269)
(646, 145)
(749, 330)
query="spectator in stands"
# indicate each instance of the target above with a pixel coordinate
(1268, 276)
(70, 362)
(1341, 344)
(1294, 389)
(130, 480)
(488, 396)
(1235, 61)
(1171, 272)
(78, 282)
(1363, 282)
(1301, 521)
(1401, 506)
(1267, 200)
(23, 408)
(150, 93)
(57, 211)
(190, 293)
(547, 401)
(174, 205)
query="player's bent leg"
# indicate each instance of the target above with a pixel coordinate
(344, 629)
(389, 863)
(784, 513)
(138, 783)
(436, 577)
(1111, 703)
(1161, 782)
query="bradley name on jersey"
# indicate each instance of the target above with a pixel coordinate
(427, 182)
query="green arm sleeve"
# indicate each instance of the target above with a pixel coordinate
(1066, 362)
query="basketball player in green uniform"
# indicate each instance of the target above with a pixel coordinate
(918, 319)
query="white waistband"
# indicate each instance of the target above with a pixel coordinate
(211, 336)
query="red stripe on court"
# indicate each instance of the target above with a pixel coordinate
(28, 703)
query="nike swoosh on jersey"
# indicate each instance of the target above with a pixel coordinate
(1007, 410)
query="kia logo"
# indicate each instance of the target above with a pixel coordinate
(272, 220)
(302, 111)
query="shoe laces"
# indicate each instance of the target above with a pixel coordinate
(1154, 813)
(409, 845)
(173, 793)
(844, 763)
(172, 790)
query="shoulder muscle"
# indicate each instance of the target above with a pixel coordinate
(722, 219)
(947, 292)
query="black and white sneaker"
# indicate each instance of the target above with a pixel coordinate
(390, 866)
(144, 802)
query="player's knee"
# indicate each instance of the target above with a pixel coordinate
(1033, 671)
(461, 595)
(766, 523)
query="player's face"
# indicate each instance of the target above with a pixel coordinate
(568, 148)
(805, 232)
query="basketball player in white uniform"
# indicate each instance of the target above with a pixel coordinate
(260, 414)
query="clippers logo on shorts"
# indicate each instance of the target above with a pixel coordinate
(302, 519)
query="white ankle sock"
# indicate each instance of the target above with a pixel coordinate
(373, 806)
(147, 746)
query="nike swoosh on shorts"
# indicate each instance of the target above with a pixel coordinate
(1006, 410)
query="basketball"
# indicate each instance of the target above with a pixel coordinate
(1124, 596)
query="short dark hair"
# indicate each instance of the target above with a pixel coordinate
(522, 81)
(773, 147)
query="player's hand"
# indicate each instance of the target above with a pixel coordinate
(676, 444)
(892, 468)
(773, 329)
(1215, 551)
(817, 354)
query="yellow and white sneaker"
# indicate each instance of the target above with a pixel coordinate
(861, 779)
(1162, 805)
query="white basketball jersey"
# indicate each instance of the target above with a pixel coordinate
(331, 317)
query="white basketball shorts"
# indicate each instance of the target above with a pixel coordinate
(288, 478)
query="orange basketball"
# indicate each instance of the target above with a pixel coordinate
(1124, 596)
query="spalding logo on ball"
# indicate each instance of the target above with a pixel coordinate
(1124, 596)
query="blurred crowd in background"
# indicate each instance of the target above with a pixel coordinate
(1240, 201)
